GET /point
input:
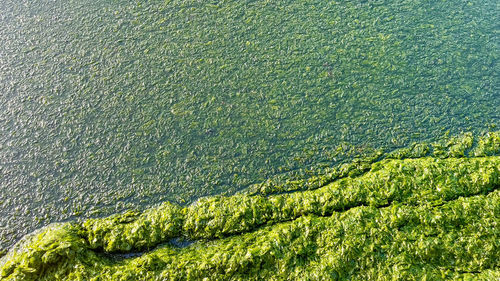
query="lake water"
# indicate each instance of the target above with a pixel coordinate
(110, 105)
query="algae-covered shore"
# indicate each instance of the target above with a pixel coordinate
(427, 212)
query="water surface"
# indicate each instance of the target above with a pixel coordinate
(109, 105)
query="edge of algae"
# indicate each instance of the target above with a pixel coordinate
(427, 197)
(464, 145)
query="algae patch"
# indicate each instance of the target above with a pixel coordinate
(107, 106)
(411, 218)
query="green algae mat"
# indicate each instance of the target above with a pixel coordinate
(426, 212)
(249, 139)
(115, 105)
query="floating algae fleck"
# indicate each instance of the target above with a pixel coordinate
(429, 217)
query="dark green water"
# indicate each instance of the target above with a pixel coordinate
(109, 105)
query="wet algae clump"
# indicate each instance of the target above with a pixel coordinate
(420, 213)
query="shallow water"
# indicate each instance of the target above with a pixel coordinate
(108, 105)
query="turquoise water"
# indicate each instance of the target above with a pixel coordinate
(110, 105)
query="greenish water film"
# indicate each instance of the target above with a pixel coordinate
(110, 105)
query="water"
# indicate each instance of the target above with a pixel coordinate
(109, 105)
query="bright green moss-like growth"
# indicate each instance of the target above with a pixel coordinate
(354, 168)
(489, 144)
(132, 230)
(409, 219)
(463, 145)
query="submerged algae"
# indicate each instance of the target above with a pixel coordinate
(408, 219)
(113, 105)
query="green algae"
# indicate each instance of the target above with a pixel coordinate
(327, 175)
(133, 230)
(363, 243)
(489, 144)
(463, 145)
(110, 105)
(405, 219)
